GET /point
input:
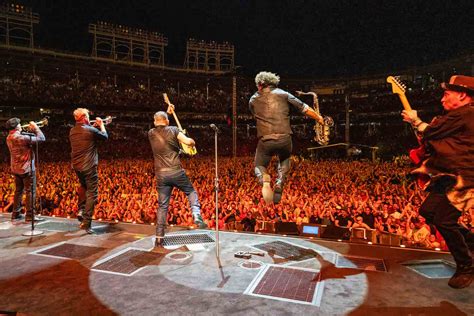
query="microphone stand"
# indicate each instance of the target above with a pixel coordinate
(216, 190)
(32, 232)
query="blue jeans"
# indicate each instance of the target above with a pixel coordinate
(88, 192)
(266, 149)
(24, 183)
(166, 182)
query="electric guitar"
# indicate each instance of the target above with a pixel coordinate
(188, 150)
(417, 155)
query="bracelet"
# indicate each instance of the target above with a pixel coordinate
(416, 123)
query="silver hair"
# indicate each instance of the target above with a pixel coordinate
(160, 116)
(266, 78)
(79, 113)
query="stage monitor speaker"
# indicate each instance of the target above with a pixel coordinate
(311, 230)
(286, 228)
(335, 232)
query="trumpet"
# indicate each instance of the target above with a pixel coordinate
(41, 123)
(107, 120)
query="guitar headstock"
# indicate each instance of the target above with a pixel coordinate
(398, 86)
(167, 100)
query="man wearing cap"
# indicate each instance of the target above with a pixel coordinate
(83, 138)
(22, 164)
(270, 106)
(449, 141)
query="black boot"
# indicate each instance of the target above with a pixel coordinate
(79, 216)
(159, 242)
(277, 191)
(29, 218)
(16, 216)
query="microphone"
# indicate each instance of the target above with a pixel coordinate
(27, 134)
(215, 128)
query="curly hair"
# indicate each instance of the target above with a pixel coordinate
(265, 78)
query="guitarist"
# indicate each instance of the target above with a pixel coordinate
(164, 141)
(449, 139)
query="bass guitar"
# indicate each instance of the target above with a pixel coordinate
(188, 150)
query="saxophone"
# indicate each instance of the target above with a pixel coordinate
(322, 131)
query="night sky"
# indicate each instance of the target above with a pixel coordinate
(308, 38)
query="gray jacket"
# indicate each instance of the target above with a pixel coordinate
(272, 111)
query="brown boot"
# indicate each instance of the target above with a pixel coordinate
(462, 277)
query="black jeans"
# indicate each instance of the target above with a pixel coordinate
(166, 182)
(24, 183)
(437, 210)
(266, 149)
(88, 192)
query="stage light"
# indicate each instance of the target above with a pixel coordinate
(403, 246)
(438, 249)
(339, 240)
(369, 243)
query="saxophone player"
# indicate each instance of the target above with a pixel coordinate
(271, 109)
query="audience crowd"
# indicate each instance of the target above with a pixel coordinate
(353, 194)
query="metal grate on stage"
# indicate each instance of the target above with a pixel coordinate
(127, 262)
(363, 263)
(70, 251)
(187, 239)
(289, 284)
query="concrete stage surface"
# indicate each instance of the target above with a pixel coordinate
(117, 272)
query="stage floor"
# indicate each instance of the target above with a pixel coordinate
(64, 271)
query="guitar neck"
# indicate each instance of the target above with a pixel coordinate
(167, 101)
(177, 121)
(404, 100)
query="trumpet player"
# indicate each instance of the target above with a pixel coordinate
(83, 138)
(22, 164)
